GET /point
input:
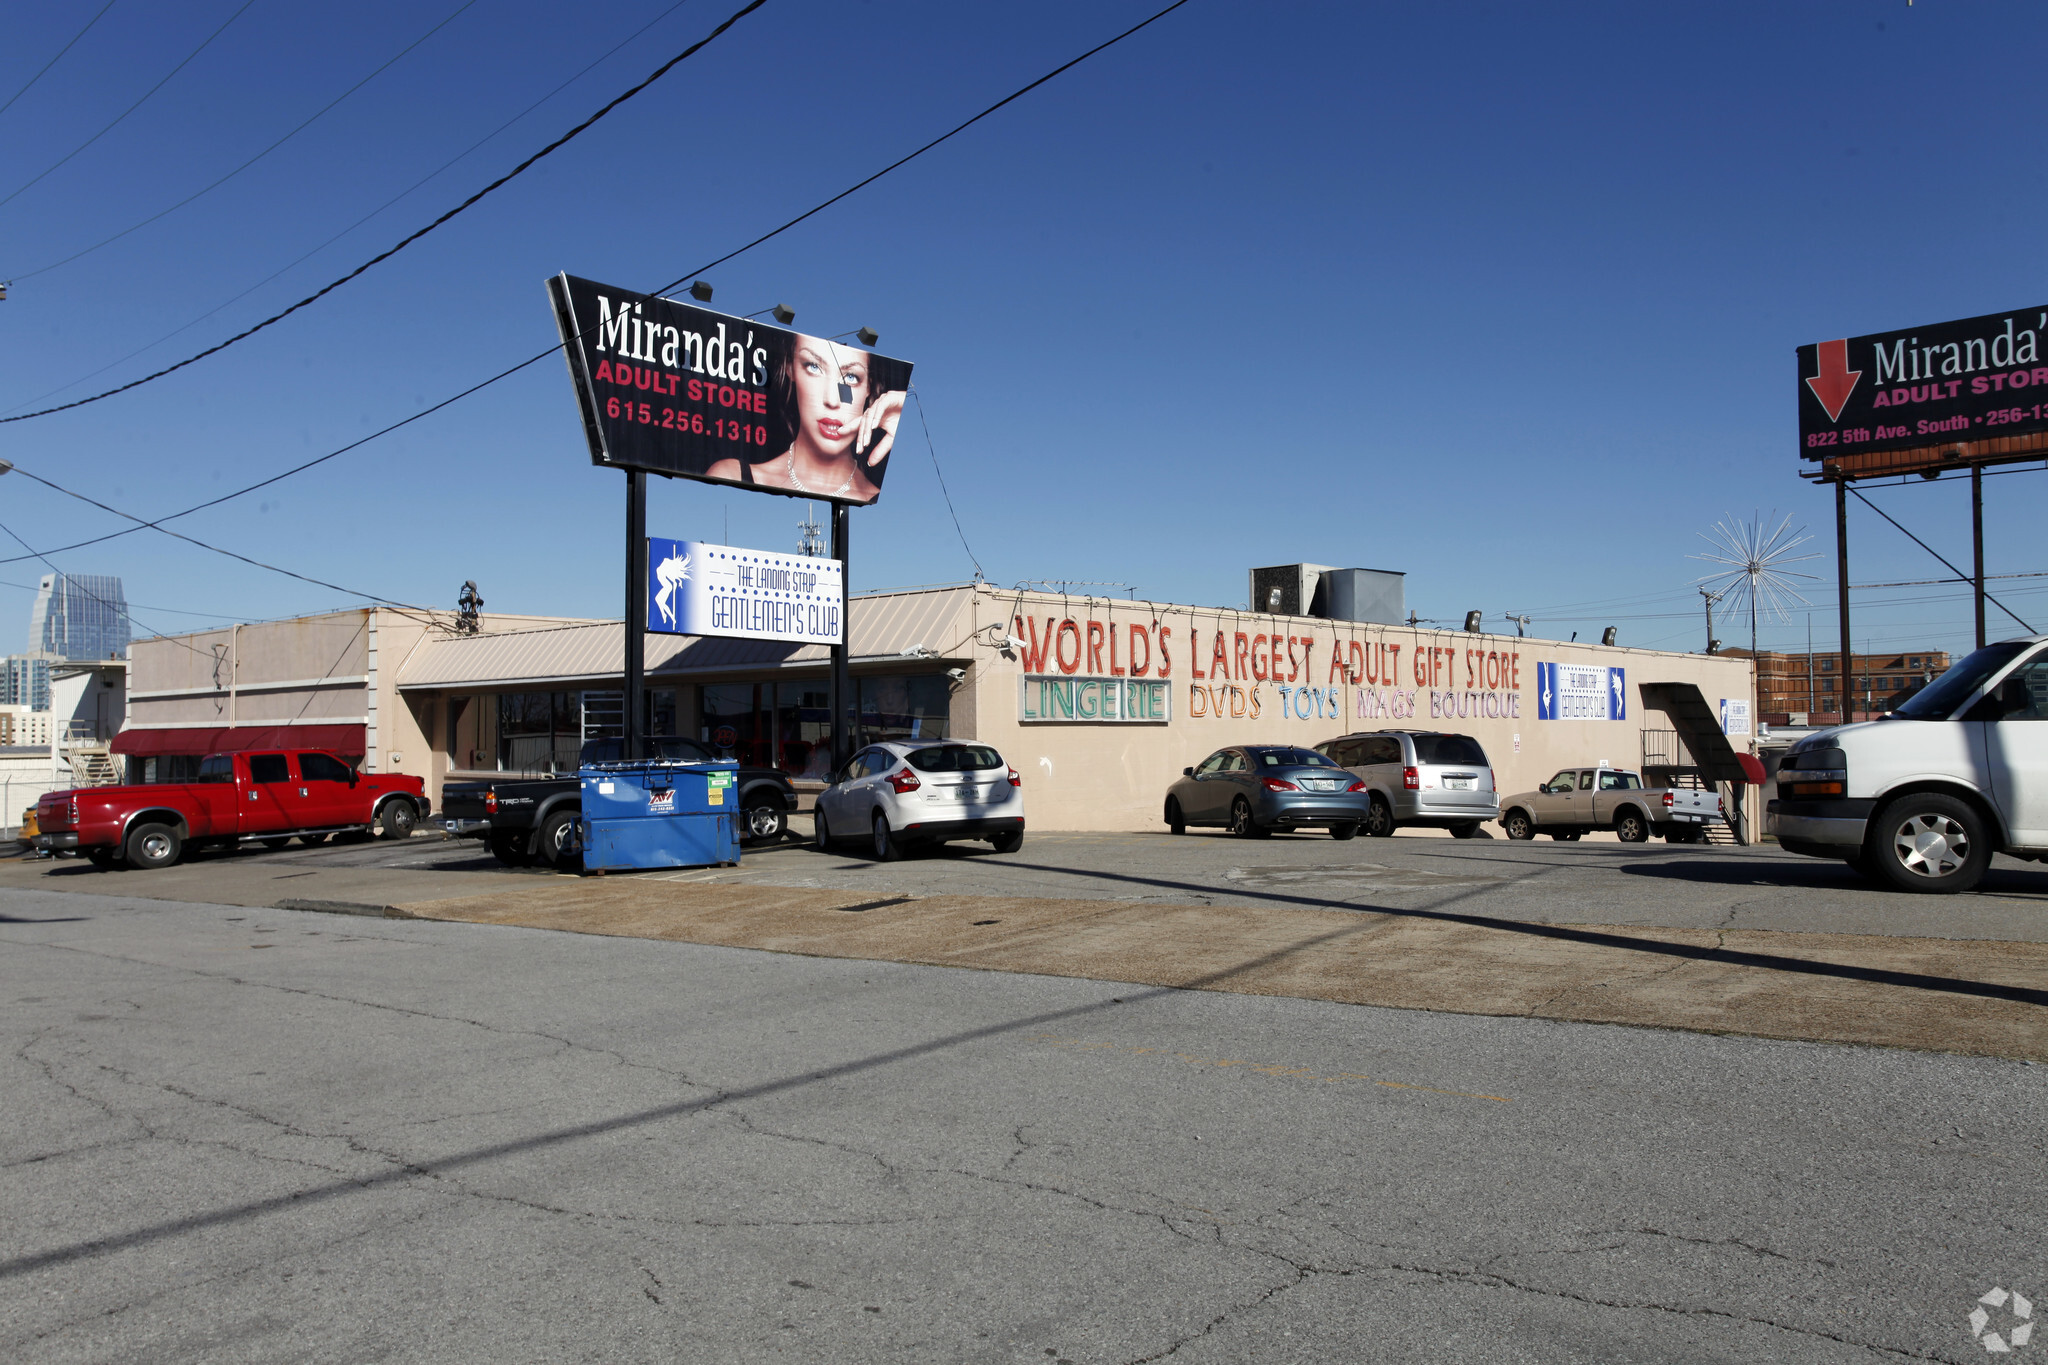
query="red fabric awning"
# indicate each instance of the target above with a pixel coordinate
(147, 743)
(1752, 768)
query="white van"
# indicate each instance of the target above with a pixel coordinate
(1923, 797)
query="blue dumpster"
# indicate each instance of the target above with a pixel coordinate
(659, 814)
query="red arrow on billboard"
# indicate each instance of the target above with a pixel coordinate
(1836, 381)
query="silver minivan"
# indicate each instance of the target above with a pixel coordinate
(1420, 777)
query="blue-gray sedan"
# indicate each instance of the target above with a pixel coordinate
(1254, 789)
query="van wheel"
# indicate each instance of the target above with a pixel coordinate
(153, 846)
(821, 837)
(1176, 823)
(397, 820)
(1517, 825)
(1631, 828)
(1379, 818)
(1465, 829)
(1926, 843)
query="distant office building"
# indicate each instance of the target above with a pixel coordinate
(25, 680)
(1795, 684)
(79, 616)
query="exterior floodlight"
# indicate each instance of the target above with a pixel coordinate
(920, 652)
(700, 291)
(1472, 622)
(1607, 636)
(957, 674)
(3, 290)
(784, 314)
(6, 465)
(868, 335)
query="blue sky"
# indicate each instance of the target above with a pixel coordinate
(1504, 295)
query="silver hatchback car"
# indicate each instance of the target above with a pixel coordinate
(1424, 778)
(922, 791)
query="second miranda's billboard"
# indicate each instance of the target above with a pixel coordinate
(683, 391)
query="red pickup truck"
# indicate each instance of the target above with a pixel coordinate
(236, 798)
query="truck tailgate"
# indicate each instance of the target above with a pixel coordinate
(1685, 801)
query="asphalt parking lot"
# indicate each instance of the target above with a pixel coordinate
(1593, 881)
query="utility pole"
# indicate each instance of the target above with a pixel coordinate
(1711, 598)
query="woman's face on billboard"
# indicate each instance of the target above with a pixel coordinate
(831, 385)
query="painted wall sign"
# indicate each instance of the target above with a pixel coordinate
(1042, 698)
(1581, 692)
(1948, 382)
(695, 588)
(680, 390)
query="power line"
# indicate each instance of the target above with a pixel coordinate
(71, 581)
(305, 256)
(506, 373)
(200, 193)
(942, 481)
(60, 53)
(129, 110)
(386, 255)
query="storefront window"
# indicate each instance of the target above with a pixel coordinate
(538, 732)
(739, 719)
(788, 726)
(903, 708)
(661, 711)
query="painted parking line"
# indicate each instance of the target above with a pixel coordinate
(1264, 1068)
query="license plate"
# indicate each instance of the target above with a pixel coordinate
(1458, 784)
(1321, 784)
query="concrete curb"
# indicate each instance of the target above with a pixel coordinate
(344, 908)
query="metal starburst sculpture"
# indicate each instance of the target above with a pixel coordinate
(1755, 554)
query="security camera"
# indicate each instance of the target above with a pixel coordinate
(957, 674)
(1012, 643)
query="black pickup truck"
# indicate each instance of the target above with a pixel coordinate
(535, 819)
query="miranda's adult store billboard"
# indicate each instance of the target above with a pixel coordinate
(1945, 383)
(683, 391)
(694, 588)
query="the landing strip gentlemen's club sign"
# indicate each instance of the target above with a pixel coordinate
(695, 588)
(1950, 382)
(1084, 670)
(679, 390)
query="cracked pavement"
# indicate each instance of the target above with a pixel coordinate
(240, 1134)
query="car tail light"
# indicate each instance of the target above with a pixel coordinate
(905, 781)
(1670, 800)
(71, 809)
(491, 802)
(1279, 784)
(1015, 780)
(1356, 787)
(1411, 779)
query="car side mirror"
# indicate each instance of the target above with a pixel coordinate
(1187, 772)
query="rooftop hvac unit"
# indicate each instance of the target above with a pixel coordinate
(1287, 589)
(1376, 595)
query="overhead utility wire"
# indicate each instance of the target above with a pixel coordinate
(126, 112)
(54, 60)
(190, 540)
(209, 189)
(554, 349)
(942, 481)
(443, 167)
(1936, 553)
(386, 255)
(122, 608)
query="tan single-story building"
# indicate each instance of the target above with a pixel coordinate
(1098, 702)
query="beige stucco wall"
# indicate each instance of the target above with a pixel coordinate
(1114, 776)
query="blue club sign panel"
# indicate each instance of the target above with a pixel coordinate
(695, 588)
(1581, 692)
